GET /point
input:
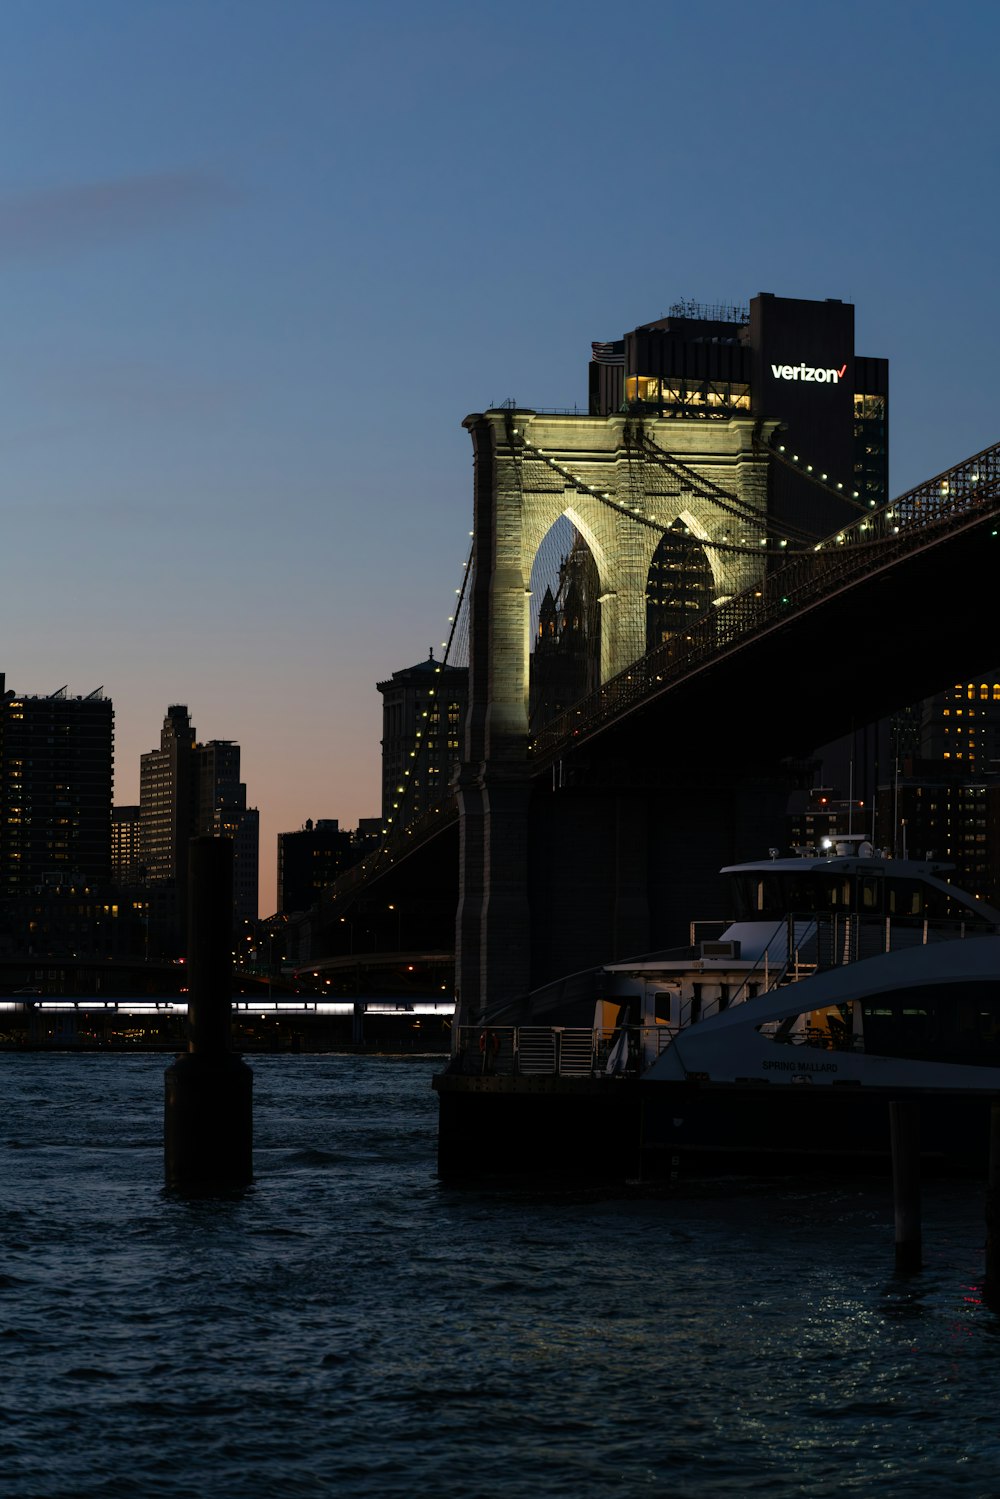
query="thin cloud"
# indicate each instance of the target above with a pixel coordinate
(64, 219)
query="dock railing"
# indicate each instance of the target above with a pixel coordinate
(558, 1050)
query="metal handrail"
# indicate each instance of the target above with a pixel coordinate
(557, 1050)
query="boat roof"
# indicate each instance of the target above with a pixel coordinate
(941, 967)
(927, 871)
(844, 864)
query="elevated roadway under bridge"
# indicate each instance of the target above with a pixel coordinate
(602, 834)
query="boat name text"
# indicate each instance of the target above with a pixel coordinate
(802, 1066)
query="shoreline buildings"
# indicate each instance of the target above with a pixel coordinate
(57, 898)
(56, 774)
(188, 790)
(782, 358)
(423, 712)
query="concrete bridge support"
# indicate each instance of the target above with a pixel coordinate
(530, 469)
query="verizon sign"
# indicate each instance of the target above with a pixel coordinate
(808, 372)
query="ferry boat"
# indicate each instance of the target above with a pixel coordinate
(845, 978)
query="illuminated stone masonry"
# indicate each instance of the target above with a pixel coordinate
(599, 472)
(602, 473)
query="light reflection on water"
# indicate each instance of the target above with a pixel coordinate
(350, 1326)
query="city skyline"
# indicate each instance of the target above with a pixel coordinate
(260, 264)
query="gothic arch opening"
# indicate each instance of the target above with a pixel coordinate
(679, 585)
(565, 659)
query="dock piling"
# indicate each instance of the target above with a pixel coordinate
(991, 1282)
(904, 1126)
(208, 1091)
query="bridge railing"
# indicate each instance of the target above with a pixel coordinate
(932, 510)
(386, 855)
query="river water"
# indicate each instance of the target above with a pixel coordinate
(351, 1327)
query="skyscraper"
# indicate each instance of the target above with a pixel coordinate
(423, 711)
(126, 857)
(166, 792)
(310, 860)
(56, 770)
(784, 357)
(187, 790)
(962, 724)
(223, 812)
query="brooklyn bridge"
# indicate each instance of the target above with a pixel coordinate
(580, 831)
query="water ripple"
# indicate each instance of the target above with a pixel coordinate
(351, 1327)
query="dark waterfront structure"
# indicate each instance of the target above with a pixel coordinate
(187, 790)
(208, 1092)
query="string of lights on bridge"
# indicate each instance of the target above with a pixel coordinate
(723, 498)
(718, 496)
(446, 646)
(923, 501)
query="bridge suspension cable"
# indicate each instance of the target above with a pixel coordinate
(806, 471)
(426, 761)
(923, 516)
(692, 563)
(686, 481)
(725, 499)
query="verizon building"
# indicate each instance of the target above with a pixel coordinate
(783, 358)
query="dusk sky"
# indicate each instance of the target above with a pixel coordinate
(261, 257)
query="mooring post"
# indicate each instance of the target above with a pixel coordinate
(904, 1128)
(991, 1282)
(208, 1098)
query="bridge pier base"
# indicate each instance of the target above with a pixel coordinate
(493, 957)
(208, 1092)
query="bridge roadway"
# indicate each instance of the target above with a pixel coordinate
(636, 798)
(889, 610)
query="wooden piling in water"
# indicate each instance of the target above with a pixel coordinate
(904, 1127)
(991, 1282)
(208, 1097)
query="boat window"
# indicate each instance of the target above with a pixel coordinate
(906, 898)
(869, 893)
(939, 1025)
(744, 893)
(772, 897)
(839, 895)
(828, 1029)
(662, 1000)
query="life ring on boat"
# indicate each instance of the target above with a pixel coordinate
(489, 1039)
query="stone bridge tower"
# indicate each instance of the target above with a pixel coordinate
(622, 484)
